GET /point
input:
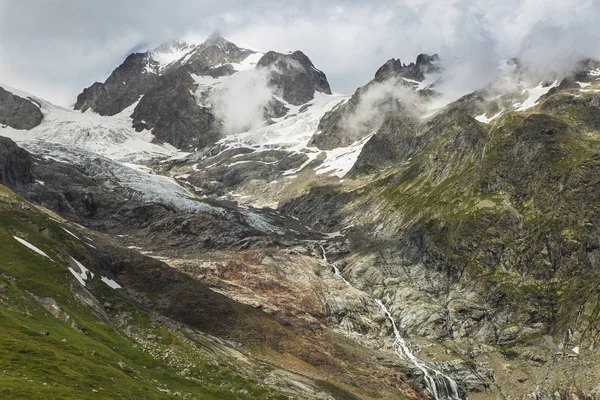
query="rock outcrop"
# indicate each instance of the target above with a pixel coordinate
(132, 79)
(17, 112)
(15, 164)
(171, 112)
(394, 68)
(294, 76)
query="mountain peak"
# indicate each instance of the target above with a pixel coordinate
(215, 35)
(170, 46)
(425, 64)
(215, 38)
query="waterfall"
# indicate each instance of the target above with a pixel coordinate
(441, 386)
(336, 270)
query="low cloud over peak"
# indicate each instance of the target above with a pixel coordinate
(54, 49)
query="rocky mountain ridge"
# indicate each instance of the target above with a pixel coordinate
(167, 80)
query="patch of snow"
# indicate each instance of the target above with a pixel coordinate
(83, 274)
(70, 233)
(32, 247)
(411, 81)
(341, 160)
(248, 63)
(483, 118)
(77, 276)
(534, 95)
(40, 182)
(583, 84)
(167, 55)
(83, 271)
(112, 284)
(595, 72)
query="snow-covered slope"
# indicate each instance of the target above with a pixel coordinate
(111, 137)
(291, 134)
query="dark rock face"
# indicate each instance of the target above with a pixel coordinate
(393, 68)
(70, 192)
(17, 112)
(394, 142)
(336, 129)
(172, 113)
(294, 76)
(132, 79)
(15, 164)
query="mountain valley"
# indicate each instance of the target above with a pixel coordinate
(213, 222)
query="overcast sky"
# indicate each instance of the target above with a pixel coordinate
(55, 48)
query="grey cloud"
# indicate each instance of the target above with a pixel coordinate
(55, 48)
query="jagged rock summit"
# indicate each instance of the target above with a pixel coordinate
(372, 103)
(174, 88)
(424, 65)
(294, 76)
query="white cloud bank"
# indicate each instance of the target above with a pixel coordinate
(55, 49)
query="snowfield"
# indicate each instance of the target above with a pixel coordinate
(534, 95)
(111, 137)
(32, 247)
(293, 133)
(110, 283)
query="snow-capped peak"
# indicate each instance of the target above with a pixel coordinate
(170, 52)
(213, 52)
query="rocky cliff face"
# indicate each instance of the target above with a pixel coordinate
(294, 76)
(132, 79)
(15, 164)
(172, 113)
(17, 112)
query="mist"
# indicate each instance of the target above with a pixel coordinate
(241, 100)
(55, 49)
(375, 101)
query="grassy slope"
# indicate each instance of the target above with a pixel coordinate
(83, 356)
